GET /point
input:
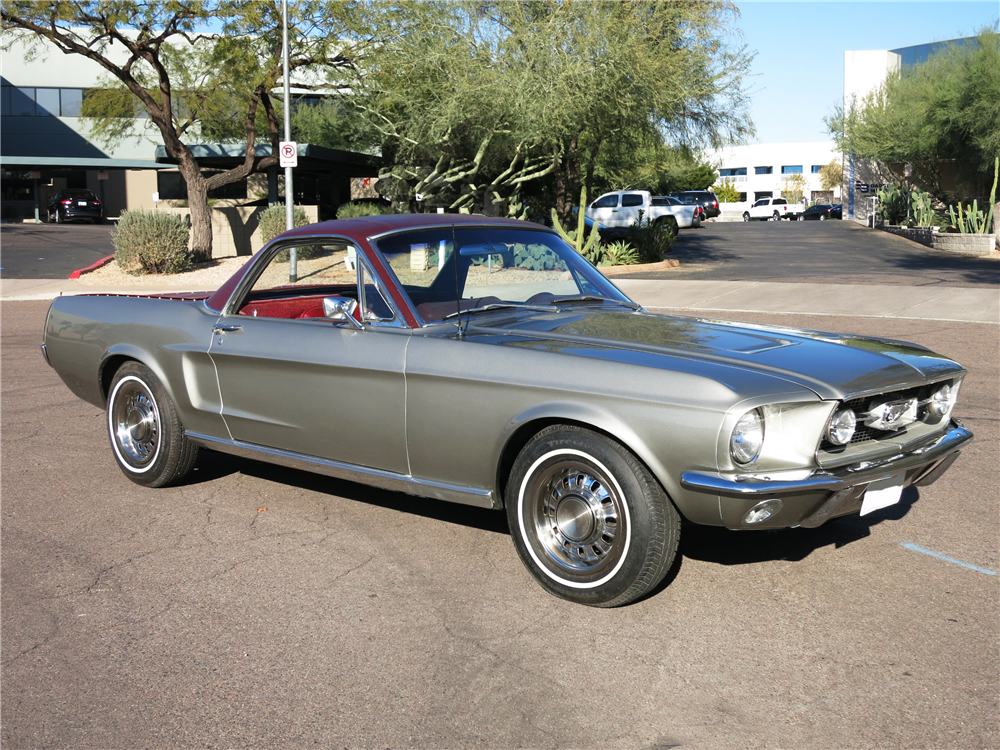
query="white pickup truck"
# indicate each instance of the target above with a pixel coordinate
(774, 209)
(620, 209)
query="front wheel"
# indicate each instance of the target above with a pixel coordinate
(588, 520)
(146, 435)
(746, 216)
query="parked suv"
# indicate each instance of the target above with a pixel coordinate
(704, 198)
(74, 203)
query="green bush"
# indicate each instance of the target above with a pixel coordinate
(273, 221)
(620, 254)
(364, 208)
(150, 242)
(652, 240)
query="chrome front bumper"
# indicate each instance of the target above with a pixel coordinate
(827, 494)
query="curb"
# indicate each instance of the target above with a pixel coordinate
(102, 262)
(663, 265)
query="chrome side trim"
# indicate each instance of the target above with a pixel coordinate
(45, 355)
(866, 472)
(386, 480)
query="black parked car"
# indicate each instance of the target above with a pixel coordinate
(704, 198)
(823, 211)
(73, 204)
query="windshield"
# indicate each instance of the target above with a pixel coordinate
(492, 266)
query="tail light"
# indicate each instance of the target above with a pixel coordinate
(67, 203)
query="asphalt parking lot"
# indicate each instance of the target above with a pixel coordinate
(262, 607)
(837, 252)
(52, 251)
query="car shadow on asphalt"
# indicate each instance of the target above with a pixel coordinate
(706, 543)
(725, 547)
(219, 465)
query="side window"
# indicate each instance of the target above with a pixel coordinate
(374, 304)
(631, 199)
(779, 202)
(322, 270)
(606, 201)
(761, 202)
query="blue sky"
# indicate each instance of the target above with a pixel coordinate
(804, 41)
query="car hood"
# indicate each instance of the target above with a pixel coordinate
(834, 366)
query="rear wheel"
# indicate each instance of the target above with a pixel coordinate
(776, 216)
(822, 217)
(588, 520)
(146, 435)
(668, 224)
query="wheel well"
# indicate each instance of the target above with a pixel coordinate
(108, 369)
(528, 430)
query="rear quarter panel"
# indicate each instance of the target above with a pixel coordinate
(87, 337)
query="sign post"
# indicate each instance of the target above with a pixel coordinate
(292, 159)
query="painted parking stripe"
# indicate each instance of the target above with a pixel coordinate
(915, 548)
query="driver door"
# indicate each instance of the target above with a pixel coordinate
(293, 380)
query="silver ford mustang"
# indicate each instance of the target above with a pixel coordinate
(483, 361)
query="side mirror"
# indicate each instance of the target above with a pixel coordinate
(341, 308)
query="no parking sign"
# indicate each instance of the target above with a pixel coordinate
(288, 154)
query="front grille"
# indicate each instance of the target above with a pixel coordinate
(863, 404)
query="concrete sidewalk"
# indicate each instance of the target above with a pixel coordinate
(980, 305)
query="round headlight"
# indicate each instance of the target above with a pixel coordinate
(942, 401)
(841, 428)
(748, 437)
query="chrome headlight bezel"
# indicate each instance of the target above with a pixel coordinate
(841, 427)
(747, 438)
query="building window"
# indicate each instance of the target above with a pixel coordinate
(817, 168)
(733, 172)
(40, 102)
(22, 102)
(171, 186)
(762, 194)
(763, 170)
(70, 102)
(792, 170)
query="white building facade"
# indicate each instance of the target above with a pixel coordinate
(761, 170)
(864, 72)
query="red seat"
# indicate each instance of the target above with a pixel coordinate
(316, 312)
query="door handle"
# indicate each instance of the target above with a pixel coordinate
(227, 328)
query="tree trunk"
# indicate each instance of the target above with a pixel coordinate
(201, 214)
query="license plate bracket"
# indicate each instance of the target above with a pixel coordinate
(882, 494)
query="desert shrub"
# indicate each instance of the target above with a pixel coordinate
(652, 240)
(273, 221)
(364, 208)
(620, 253)
(151, 242)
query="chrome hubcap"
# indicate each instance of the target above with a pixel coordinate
(576, 516)
(135, 423)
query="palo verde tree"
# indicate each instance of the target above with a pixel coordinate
(484, 97)
(185, 63)
(941, 114)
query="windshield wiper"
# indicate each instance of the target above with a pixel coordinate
(587, 298)
(493, 307)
